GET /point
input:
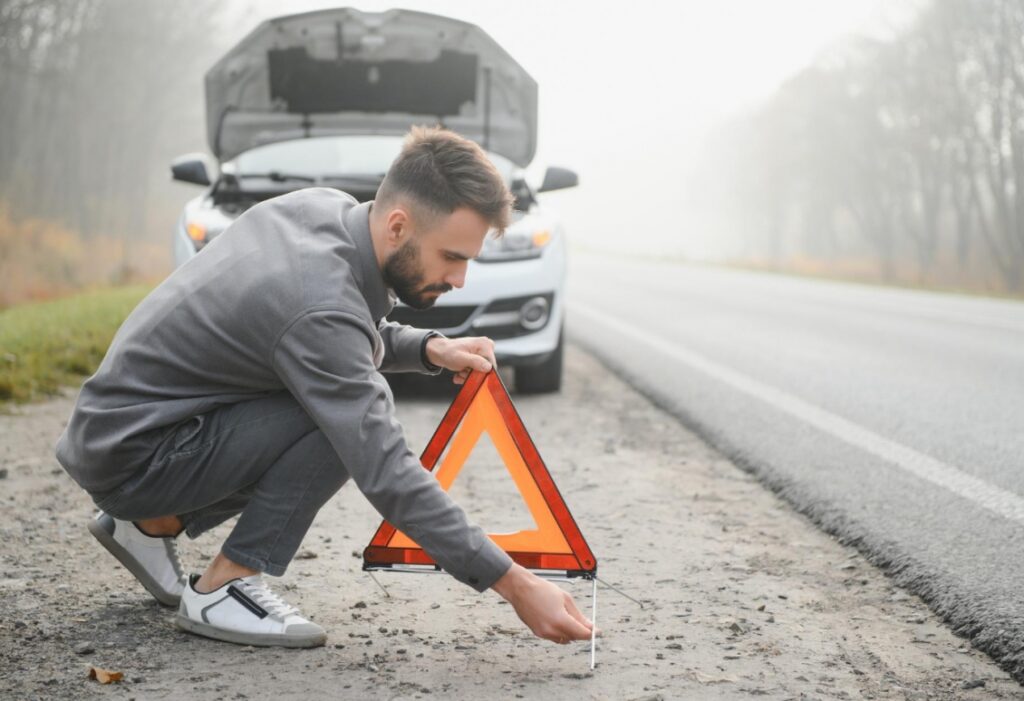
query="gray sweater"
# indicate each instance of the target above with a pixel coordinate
(289, 297)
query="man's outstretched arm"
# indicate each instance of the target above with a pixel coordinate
(546, 609)
(324, 360)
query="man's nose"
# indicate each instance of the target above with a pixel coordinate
(457, 278)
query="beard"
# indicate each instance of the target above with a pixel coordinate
(403, 273)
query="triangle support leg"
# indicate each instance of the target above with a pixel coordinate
(377, 582)
(593, 631)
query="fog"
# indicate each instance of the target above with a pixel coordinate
(870, 140)
(628, 92)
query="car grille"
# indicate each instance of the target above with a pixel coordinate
(440, 318)
(450, 320)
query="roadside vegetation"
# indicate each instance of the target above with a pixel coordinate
(893, 159)
(42, 259)
(47, 345)
(96, 98)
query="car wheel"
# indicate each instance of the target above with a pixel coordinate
(546, 377)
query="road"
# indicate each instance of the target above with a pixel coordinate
(893, 418)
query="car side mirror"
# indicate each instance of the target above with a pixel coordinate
(556, 178)
(192, 168)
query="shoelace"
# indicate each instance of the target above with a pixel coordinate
(258, 590)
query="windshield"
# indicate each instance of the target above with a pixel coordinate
(333, 156)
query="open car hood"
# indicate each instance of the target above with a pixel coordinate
(343, 72)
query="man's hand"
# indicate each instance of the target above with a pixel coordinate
(546, 609)
(461, 355)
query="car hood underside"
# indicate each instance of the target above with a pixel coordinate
(346, 72)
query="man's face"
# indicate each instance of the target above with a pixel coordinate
(432, 261)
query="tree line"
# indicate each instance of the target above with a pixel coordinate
(904, 156)
(96, 98)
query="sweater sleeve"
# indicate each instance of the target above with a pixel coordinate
(404, 348)
(325, 359)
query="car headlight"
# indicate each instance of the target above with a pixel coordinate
(201, 227)
(518, 243)
(196, 232)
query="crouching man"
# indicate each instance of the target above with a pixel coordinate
(248, 384)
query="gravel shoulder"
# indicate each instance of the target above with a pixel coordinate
(742, 595)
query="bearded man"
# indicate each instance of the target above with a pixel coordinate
(248, 384)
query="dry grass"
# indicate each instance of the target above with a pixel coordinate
(43, 259)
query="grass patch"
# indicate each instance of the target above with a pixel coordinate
(46, 345)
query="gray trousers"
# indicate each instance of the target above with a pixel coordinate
(264, 459)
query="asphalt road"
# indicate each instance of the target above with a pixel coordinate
(893, 418)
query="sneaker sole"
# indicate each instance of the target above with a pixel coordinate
(258, 639)
(132, 565)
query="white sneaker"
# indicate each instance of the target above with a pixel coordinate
(153, 560)
(246, 612)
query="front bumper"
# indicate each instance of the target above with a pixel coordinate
(501, 320)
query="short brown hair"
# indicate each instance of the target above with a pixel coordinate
(443, 171)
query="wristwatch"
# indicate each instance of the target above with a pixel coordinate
(431, 368)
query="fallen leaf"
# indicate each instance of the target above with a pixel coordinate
(105, 676)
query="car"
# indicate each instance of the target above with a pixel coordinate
(325, 98)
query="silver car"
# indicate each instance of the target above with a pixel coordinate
(324, 99)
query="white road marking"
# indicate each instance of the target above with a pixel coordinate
(989, 496)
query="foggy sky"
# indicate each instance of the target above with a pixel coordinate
(628, 89)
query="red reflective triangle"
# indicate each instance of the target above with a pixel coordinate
(483, 405)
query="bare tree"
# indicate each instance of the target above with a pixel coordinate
(96, 96)
(918, 140)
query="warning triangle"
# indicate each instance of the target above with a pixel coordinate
(484, 406)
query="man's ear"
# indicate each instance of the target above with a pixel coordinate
(397, 227)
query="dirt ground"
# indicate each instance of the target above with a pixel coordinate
(742, 596)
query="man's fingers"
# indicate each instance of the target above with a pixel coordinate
(570, 606)
(546, 609)
(483, 347)
(473, 361)
(567, 629)
(576, 626)
(487, 350)
(463, 355)
(482, 364)
(489, 354)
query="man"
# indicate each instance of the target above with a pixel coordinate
(248, 384)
